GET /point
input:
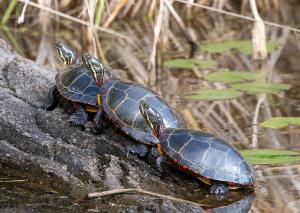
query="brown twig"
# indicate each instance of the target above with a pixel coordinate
(152, 62)
(237, 15)
(66, 16)
(95, 195)
(12, 181)
(192, 42)
(119, 7)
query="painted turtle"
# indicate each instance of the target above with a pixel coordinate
(120, 103)
(76, 84)
(205, 156)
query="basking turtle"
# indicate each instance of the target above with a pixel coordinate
(120, 103)
(201, 154)
(76, 84)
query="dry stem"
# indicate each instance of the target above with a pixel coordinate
(138, 190)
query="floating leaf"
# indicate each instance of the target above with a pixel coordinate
(244, 46)
(280, 122)
(213, 94)
(189, 63)
(256, 87)
(270, 156)
(232, 76)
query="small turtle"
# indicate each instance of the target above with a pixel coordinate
(120, 103)
(201, 154)
(76, 84)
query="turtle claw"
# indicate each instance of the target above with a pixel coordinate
(218, 189)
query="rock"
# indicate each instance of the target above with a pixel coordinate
(42, 147)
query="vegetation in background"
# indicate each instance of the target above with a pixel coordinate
(231, 118)
(269, 156)
(243, 46)
(281, 122)
(231, 76)
(182, 63)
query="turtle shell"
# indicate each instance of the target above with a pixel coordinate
(77, 84)
(120, 101)
(206, 155)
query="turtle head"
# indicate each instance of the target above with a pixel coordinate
(95, 66)
(66, 53)
(152, 117)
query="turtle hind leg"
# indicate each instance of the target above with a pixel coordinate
(218, 189)
(79, 118)
(53, 96)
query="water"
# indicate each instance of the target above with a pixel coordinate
(278, 190)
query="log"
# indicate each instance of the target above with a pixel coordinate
(41, 146)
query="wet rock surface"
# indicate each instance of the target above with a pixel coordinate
(42, 148)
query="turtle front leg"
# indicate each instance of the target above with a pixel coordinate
(158, 162)
(140, 149)
(218, 189)
(53, 96)
(98, 121)
(79, 118)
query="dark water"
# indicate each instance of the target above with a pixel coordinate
(24, 196)
(277, 191)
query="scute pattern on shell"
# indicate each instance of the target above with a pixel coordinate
(120, 102)
(77, 84)
(206, 155)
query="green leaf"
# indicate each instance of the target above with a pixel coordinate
(256, 87)
(213, 94)
(232, 76)
(280, 122)
(244, 46)
(190, 63)
(270, 156)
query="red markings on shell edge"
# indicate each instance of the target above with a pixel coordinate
(185, 167)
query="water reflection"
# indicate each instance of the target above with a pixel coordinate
(277, 190)
(241, 206)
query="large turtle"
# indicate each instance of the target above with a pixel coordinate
(76, 84)
(120, 103)
(201, 154)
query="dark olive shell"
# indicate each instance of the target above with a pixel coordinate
(206, 155)
(77, 84)
(120, 102)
